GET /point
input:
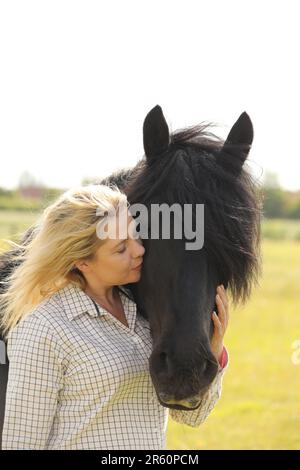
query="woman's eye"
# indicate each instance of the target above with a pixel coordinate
(122, 251)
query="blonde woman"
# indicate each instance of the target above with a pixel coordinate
(78, 349)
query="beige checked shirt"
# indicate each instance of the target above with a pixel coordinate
(79, 379)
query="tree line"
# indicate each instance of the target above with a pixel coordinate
(277, 202)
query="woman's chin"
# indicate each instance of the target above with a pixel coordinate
(135, 276)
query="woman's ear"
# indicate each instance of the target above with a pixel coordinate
(83, 266)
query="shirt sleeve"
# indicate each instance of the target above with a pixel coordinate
(34, 380)
(197, 417)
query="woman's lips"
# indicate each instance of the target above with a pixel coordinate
(137, 268)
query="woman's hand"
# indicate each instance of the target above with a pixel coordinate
(220, 322)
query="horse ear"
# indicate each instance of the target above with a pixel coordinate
(237, 145)
(155, 133)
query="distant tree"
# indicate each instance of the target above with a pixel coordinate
(50, 194)
(26, 180)
(293, 204)
(5, 192)
(29, 187)
(274, 201)
(270, 180)
(90, 180)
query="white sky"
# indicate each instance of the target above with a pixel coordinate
(78, 77)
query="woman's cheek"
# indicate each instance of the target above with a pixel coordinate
(124, 263)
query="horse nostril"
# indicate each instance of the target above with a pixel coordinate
(162, 364)
(163, 360)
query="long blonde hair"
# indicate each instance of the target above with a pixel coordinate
(65, 233)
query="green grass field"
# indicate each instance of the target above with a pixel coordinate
(260, 403)
(13, 223)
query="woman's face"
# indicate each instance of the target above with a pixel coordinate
(116, 262)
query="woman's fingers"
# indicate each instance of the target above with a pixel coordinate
(218, 327)
(221, 309)
(222, 292)
(222, 305)
(220, 322)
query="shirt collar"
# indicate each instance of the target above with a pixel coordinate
(76, 302)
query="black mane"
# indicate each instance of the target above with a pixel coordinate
(188, 173)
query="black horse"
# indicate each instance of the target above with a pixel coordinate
(177, 289)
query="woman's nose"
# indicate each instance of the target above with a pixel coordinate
(140, 250)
